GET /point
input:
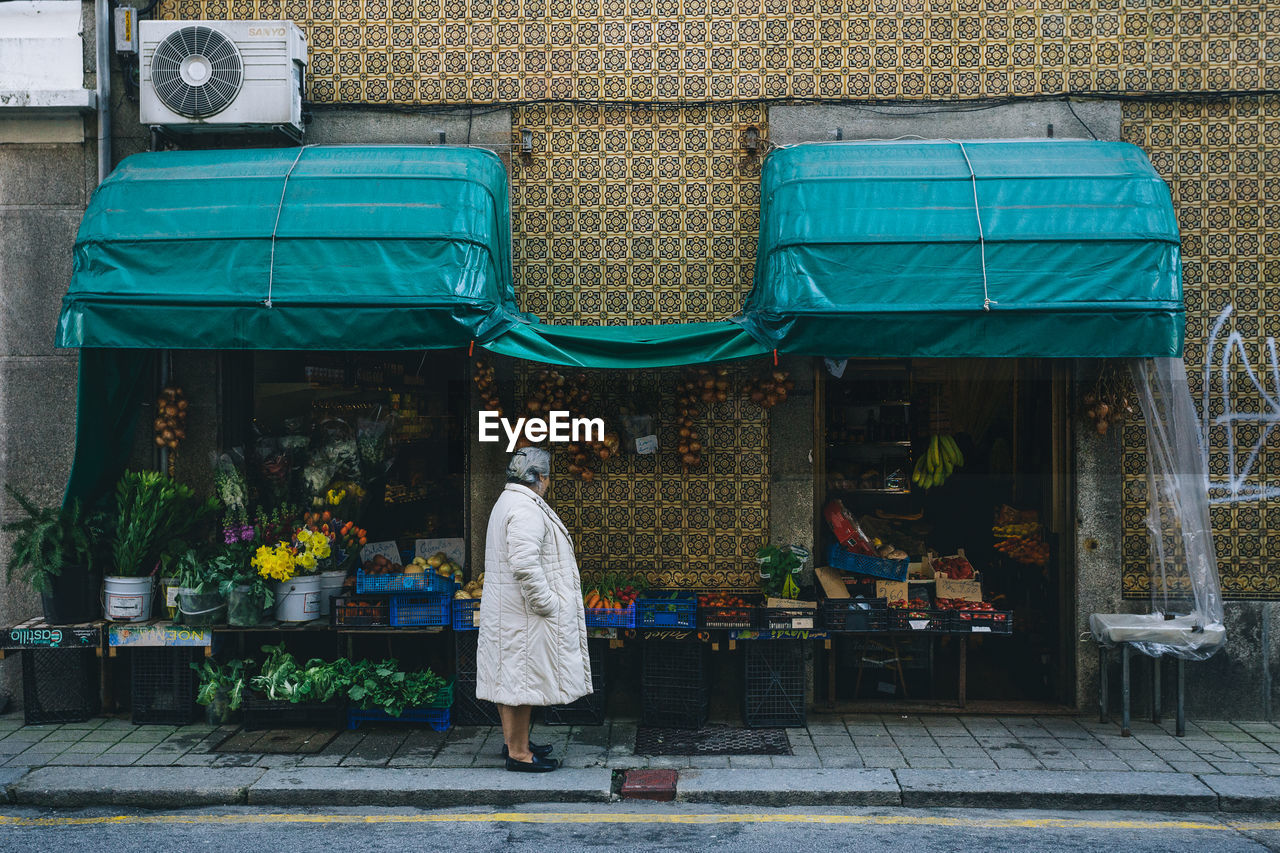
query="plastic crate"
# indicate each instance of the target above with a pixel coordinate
(855, 615)
(981, 622)
(262, 713)
(438, 719)
(347, 611)
(428, 581)
(164, 685)
(603, 617)
(846, 561)
(673, 684)
(787, 618)
(465, 611)
(432, 608)
(467, 709)
(59, 685)
(589, 710)
(681, 612)
(773, 684)
(712, 617)
(921, 620)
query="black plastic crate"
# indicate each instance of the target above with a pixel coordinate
(349, 611)
(589, 710)
(59, 685)
(467, 709)
(795, 618)
(164, 686)
(981, 622)
(673, 684)
(716, 617)
(262, 713)
(855, 615)
(773, 684)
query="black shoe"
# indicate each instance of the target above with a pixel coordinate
(538, 765)
(542, 750)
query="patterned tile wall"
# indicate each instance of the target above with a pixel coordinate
(485, 51)
(699, 528)
(634, 214)
(1222, 161)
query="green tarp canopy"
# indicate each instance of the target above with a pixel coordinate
(872, 249)
(325, 247)
(628, 347)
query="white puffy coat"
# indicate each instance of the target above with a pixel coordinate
(532, 648)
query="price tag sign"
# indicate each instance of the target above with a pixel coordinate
(647, 445)
(981, 629)
(805, 623)
(918, 624)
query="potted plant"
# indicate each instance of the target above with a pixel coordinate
(293, 567)
(248, 594)
(53, 551)
(154, 514)
(200, 577)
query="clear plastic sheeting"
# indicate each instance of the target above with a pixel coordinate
(1186, 600)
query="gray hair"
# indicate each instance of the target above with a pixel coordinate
(527, 464)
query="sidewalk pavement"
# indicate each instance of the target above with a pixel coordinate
(929, 760)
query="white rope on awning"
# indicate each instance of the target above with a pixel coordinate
(987, 301)
(271, 268)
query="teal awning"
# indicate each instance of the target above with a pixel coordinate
(361, 248)
(628, 347)
(872, 249)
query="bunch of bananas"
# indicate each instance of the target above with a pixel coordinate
(936, 464)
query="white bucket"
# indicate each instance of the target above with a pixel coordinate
(298, 600)
(330, 584)
(127, 599)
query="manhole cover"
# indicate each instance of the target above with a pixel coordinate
(712, 740)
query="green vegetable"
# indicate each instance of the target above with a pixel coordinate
(382, 685)
(218, 678)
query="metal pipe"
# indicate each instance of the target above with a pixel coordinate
(102, 64)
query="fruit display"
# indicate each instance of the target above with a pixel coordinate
(380, 565)
(170, 423)
(472, 589)
(769, 388)
(483, 377)
(936, 464)
(438, 563)
(725, 610)
(1019, 536)
(956, 568)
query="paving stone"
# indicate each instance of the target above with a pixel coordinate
(982, 763)
(850, 761)
(1106, 765)
(1153, 765)
(927, 761)
(1237, 768)
(721, 762)
(749, 761)
(320, 760)
(204, 759)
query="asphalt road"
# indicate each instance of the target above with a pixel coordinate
(646, 827)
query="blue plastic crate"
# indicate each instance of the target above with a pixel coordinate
(890, 570)
(426, 582)
(604, 617)
(679, 612)
(428, 609)
(437, 718)
(465, 611)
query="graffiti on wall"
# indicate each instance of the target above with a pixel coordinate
(1240, 405)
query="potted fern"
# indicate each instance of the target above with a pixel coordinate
(53, 552)
(154, 515)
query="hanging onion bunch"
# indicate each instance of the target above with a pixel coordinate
(487, 385)
(1108, 404)
(697, 386)
(769, 387)
(170, 424)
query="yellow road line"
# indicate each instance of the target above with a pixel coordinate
(632, 818)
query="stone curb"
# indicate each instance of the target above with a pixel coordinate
(142, 787)
(186, 787)
(434, 788)
(1054, 789)
(789, 787)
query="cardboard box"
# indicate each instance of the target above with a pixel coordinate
(832, 581)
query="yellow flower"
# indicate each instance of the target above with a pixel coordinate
(321, 549)
(307, 561)
(275, 563)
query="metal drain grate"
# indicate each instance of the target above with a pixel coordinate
(278, 741)
(712, 740)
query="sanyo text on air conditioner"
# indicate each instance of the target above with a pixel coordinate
(221, 75)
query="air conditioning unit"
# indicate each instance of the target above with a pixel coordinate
(221, 75)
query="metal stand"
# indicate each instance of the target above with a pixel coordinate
(1104, 663)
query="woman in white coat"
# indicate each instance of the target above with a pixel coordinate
(532, 648)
